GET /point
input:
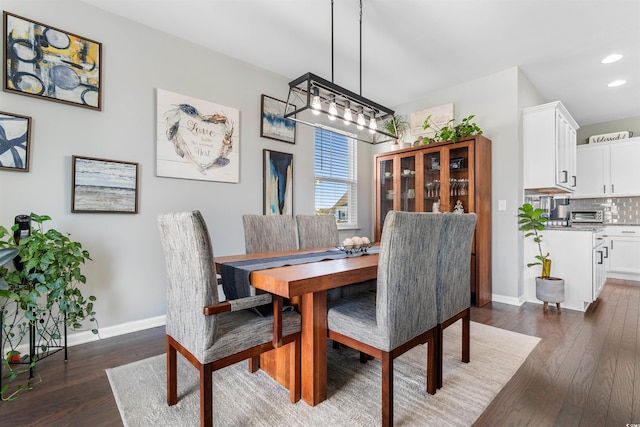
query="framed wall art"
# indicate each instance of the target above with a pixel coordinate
(104, 186)
(278, 183)
(197, 139)
(45, 62)
(273, 125)
(15, 141)
(439, 117)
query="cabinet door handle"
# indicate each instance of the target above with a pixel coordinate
(606, 255)
(566, 176)
(604, 189)
(601, 257)
(628, 232)
(612, 189)
(612, 245)
(575, 181)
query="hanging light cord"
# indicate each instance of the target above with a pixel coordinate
(332, 42)
(360, 47)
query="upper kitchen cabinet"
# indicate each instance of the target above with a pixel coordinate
(549, 152)
(609, 169)
(437, 177)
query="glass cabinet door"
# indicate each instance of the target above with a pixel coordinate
(408, 184)
(386, 190)
(432, 176)
(459, 180)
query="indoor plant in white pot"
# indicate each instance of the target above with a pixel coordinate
(548, 289)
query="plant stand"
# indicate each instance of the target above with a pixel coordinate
(47, 336)
(550, 290)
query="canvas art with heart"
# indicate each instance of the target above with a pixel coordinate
(197, 139)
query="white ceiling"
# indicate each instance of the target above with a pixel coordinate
(413, 47)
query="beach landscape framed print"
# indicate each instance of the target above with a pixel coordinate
(273, 125)
(15, 141)
(104, 186)
(197, 139)
(45, 62)
(278, 183)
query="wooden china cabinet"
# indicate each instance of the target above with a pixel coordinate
(414, 179)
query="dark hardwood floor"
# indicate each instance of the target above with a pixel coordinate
(585, 371)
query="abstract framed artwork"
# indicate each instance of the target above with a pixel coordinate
(45, 62)
(273, 125)
(104, 186)
(197, 139)
(278, 183)
(15, 141)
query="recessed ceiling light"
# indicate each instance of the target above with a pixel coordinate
(611, 58)
(617, 83)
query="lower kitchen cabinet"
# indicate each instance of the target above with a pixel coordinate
(578, 257)
(624, 252)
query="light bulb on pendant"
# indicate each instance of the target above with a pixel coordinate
(361, 121)
(333, 110)
(373, 125)
(316, 105)
(348, 116)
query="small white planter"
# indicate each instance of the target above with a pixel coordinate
(550, 290)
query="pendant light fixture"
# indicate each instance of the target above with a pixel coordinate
(317, 102)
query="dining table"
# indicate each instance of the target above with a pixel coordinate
(306, 285)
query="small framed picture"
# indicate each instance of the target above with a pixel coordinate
(273, 125)
(435, 163)
(104, 186)
(15, 133)
(456, 163)
(49, 63)
(278, 183)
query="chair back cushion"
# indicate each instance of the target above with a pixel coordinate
(406, 292)
(191, 280)
(454, 263)
(267, 233)
(317, 230)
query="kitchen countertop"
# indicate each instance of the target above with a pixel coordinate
(589, 226)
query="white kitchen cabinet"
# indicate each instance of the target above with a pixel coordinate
(608, 169)
(574, 259)
(624, 252)
(549, 151)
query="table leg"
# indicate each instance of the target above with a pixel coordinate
(314, 347)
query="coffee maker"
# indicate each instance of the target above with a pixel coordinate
(559, 214)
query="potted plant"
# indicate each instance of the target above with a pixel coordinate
(450, 132)
(548, 289)
(397, 125)
(39, 293)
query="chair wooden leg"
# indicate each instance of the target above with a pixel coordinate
(172, 374)
(295, 385)
(254, 364)
(432, 366)
(206, 395)
(387, 390)
(437, 347)
(466, 336)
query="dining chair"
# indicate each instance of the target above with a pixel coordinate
(453, 292)
(209, 334)
(268, 233)
(402, 313)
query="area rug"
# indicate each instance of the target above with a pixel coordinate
(354, 390)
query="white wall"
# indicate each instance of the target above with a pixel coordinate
(127, 272)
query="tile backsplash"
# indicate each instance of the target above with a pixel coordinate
(617, 210)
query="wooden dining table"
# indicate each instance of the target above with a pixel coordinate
(307, 284)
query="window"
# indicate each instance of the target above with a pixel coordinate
(336, 176)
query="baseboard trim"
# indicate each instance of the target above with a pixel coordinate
(77, 338)
(507, 300)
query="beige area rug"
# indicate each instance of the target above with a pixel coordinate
(244, 399)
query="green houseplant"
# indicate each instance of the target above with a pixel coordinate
(450, 132)
(397, 125)
(548, 289)
(41, 292)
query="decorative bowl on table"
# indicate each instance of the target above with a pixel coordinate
(355, 244)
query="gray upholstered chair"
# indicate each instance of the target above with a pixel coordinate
(402, 313)
(209, 334)
(453, 291)
(267, 233)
